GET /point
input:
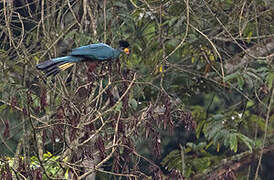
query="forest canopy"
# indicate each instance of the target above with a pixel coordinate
(193, 100)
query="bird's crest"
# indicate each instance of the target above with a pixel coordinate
(123, 44)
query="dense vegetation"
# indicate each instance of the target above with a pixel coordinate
(194, 100)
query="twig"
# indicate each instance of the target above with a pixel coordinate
(21, 110)
(265, 132)
(185, 35)
(73, 13)
(215, 49)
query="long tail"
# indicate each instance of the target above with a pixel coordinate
(54, 66)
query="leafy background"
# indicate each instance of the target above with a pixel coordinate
(194, 100)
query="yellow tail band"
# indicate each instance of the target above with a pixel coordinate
(65, 66)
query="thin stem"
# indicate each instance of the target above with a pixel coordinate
(265, 133)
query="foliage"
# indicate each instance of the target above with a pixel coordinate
(34, 170)
(195, 94)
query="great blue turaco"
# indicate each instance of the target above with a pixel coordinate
(89, 53)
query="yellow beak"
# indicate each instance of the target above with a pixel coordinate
(126, 50)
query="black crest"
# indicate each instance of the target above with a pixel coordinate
(123, 44)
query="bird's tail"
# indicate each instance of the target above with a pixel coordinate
(54, 66)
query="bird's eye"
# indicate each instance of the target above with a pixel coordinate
(126, 50)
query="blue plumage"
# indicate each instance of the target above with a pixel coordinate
(92, 52)
(98, 51)
(68, 59)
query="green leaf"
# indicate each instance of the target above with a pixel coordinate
(251, 74)
(191, 145)
(226, 141)
(262, 69)
(233, 142)
(199, 128)
(119, 106)
(213, 128)
(47, 155)
(2, 107)
(249, 36)
(173, 160)
(211, 57)
(269, 80)
(248, 142)
(192, 59)
(201, 163)
(220, 135)
(231, 76)
(119, 4)
(241, 82)
(218, 117)
(249, 104)
(172, 21)
(258, 120)
(133, 103)
(201, 145)
(67, 174)
(209, 144)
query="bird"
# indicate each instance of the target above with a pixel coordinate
(89, 53)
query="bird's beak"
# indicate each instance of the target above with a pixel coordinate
(126, 50)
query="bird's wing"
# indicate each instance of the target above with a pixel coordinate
(98, 51)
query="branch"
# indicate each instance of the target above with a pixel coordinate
(265, 131)
(21, 110)
(255, 51)
(234, 164)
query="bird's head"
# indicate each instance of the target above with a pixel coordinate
(124, 46)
